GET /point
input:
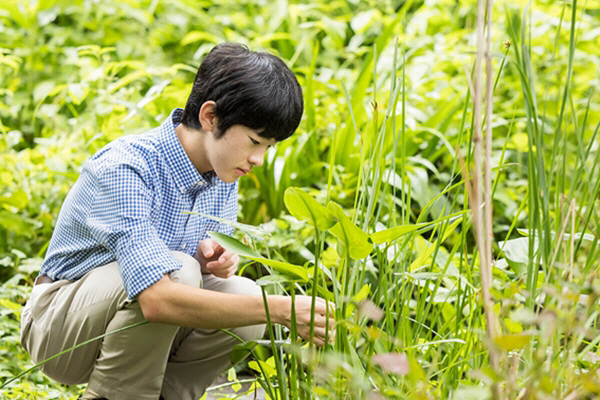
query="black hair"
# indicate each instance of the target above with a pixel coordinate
(254, 89)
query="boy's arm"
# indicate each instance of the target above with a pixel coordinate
(173, 303)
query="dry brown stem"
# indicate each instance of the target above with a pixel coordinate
(482, 184)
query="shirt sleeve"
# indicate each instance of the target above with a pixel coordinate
(230, 210)
(119, 219)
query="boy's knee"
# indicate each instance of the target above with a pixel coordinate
(253, 332)
(246, 286)
(250, 333)
(189, 274)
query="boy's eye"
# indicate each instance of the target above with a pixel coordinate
(254, 141)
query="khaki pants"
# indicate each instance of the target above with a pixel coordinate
(139, 363)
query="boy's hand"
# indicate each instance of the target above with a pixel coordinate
(216, 260)
(324, 319)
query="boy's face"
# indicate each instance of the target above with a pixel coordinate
(237, 152)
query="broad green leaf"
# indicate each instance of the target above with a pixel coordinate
(267, 366)
(392, 234)
(42, 90)
(296, 271)
(565, 236)
(77, 92)
(422, 259)
(126, 80)
(241, 351)
(352, 237)
(238, 247)
(272, 279)
(517, 250)
(18, 199)
(302, 206)
(11, 61)
(234, 245)
(362, 293)
(357, 298)
(15, 223)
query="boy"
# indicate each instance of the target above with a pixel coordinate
(123, 250)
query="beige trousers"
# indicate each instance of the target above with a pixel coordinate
(139, 363)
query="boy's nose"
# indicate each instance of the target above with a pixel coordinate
(257, 158)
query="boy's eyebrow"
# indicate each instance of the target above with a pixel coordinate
(272, 141)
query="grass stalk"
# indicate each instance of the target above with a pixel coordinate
(282, 394)
(14, 378)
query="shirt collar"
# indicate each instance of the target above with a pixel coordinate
(186, 176)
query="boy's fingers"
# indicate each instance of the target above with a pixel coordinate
(217, 248)
(321, 307)
(226, 256)
(206, 247)
(229, 266)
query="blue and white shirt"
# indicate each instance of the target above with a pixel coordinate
(129, 205)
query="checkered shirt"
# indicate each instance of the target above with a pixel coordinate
(128, 206)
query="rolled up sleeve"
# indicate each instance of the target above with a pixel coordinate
(119, 219)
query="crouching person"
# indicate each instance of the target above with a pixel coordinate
(125, 251)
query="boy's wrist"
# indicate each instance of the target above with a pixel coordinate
(279, 309)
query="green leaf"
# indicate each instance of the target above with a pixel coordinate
(77, 92)
(42, 90)
(197, 36)
(272, 279)
(354, 240)
(362, 293)
(392, 234)
(302, 206)
(18, 199)
(241, 351)
(126, 80)
(296, 271)
(234, 245)
(517, 250)
(14, 223)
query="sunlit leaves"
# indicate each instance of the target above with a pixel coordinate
(304, 207)
(355, 242)
(394, 233)
(197, 36)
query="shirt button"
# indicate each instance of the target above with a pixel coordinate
(183, 245)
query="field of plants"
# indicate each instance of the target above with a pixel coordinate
(443, 189)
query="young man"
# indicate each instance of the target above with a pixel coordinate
(124, 250)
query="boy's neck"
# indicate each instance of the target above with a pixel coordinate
(192, 142)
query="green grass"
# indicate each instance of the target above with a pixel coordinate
(383, 164)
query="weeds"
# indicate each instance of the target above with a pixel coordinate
(380, 182)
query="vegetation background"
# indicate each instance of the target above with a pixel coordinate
(386, 143)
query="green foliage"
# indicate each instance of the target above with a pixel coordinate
(376, 180)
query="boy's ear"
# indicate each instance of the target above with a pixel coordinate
(207, 116)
